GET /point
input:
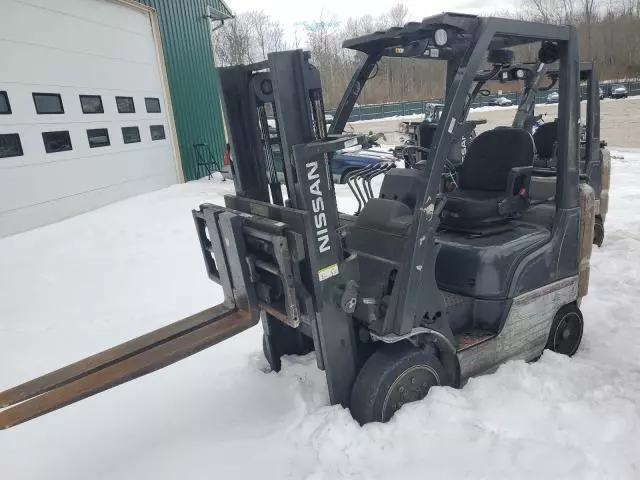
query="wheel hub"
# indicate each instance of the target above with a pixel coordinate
(411, 386)
(567, 334)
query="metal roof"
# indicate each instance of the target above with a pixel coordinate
(462, 26)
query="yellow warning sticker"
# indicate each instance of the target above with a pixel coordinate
(328, 272)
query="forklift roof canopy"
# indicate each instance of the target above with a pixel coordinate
(460, 29)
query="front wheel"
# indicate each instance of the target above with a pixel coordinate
(394, 375)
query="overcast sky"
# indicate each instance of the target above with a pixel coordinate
(292, 12)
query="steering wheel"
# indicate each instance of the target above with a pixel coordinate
(449, 169)
(409, 153)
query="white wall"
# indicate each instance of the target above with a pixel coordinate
(78, 47)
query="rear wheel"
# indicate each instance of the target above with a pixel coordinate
(394, 375)
(566, 330)
(598, 232)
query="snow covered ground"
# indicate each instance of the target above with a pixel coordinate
(73, 288)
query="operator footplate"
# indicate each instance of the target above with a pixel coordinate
(471, 339)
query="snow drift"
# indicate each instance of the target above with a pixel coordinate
(85, 284)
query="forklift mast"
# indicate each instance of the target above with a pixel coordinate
(591, 161)
(318, 280)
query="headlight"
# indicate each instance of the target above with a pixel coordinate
(440, 37)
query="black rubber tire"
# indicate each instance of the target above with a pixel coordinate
(394, 375)
(598, 232)
(274, 361)
(288, 341)
(566, 330)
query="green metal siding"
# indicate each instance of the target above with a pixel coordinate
(192, 78)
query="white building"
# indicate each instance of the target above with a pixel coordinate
(85, 114)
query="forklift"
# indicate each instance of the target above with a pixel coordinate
(422, 288)
(595, 157)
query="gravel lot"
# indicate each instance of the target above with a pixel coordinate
(620, 121)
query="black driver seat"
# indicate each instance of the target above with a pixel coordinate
(545, 138)
(493, 180)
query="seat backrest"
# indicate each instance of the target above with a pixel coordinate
(406, 185)
(544, 138)
(492, 155)
(386, 215)
(426, 132)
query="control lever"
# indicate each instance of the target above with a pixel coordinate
(441, 201)
(384, 168)
(366, 180)
(359, 195)
(349, 297)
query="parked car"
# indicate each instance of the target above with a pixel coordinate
(553, 97)
(345, 162)
(500, 102)
(585, 94)
(619, 91)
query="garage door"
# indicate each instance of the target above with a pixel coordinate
(84, 113)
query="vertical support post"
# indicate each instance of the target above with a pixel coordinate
(351, 94)
(592, 165)
(567, 196)
(593, 114)
(240, 110)
(415, 293)
(452, 68)
(296, 94)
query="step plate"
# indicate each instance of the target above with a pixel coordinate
(468, 340)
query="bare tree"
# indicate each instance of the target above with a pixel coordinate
(398, 15)
(232, 43)
(248, 38)
(609, 35)
(588, 7)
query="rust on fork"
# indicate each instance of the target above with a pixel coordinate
(121, 364)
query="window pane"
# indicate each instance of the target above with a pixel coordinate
(10, 145)
(152, 104)
(130, 134)
(56, 141)
(125, 105)
(48, 103)
(5, 108)
(157, 132)
(98, 137)
(91, 104)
